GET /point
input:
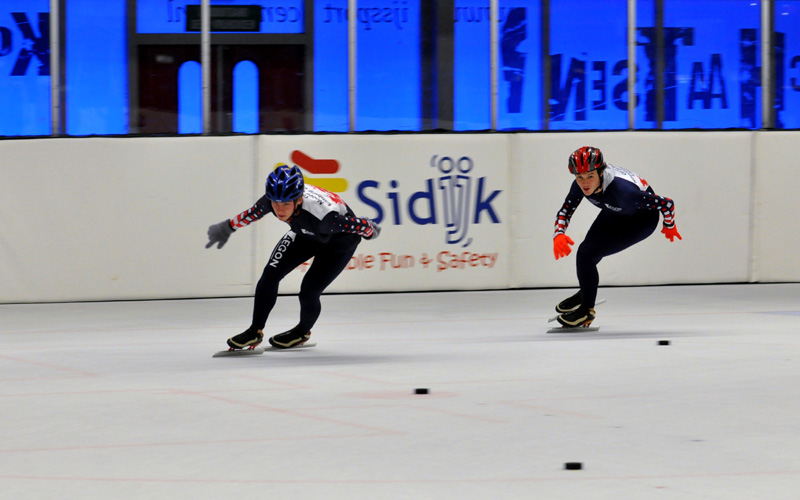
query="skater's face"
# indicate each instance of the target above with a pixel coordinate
(589, 182)
(285, 209)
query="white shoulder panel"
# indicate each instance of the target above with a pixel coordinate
(320, 202)
(611, 172)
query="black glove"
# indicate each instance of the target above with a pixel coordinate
(219, 233)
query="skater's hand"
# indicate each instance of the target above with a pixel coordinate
(671, 233)
(376, 230)
(219, 233)
(561, 245)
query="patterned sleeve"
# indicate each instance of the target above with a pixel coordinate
(567, 209)
(666, 206)
(336, 223)
(252, 214)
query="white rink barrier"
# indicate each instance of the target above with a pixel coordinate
(126, 218)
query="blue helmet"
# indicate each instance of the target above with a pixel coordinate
(285, 184)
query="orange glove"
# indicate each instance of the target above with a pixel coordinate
(561, 245)
(671, 233)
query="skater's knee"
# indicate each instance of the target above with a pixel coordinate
(587, 255)
(270, 278)
(309, 296)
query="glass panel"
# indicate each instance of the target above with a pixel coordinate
(25, 68)
(277, 86)
(96, 51)
(787, 64)
(712, 61)
(645, 113)
(190, 98)
(588, 58)
(471, 67)
(711, 75)
(160, 91)
(256, 85)
(331, 87)
(275, 81)
(227, 16)
(519, 82)
(389, 89)
(168, 87)
(245, 98)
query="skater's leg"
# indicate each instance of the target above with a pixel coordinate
(609, 234)
(328, 263)
(586, 261)
(289, 253)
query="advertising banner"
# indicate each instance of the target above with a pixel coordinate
(442, 203)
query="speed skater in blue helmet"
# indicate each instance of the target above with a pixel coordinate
(285, 184)
(323, 230)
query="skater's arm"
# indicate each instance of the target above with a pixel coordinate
(652, 201)
(336, 223)
(564, 215)
(261, 208)
(562, 242)
(219, 233)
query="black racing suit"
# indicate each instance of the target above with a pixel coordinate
(323, 227)
(629, 211)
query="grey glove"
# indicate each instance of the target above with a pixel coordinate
(219, 233)
(376, 230)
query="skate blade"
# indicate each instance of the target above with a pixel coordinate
(239, 352)
(258, 350)
(301, 346)
(573, 329)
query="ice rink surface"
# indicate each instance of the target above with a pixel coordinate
(123, 400)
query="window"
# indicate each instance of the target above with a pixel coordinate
(588, 58)
(787, 64)
(25, 68)
(711, 60)
(133, 66)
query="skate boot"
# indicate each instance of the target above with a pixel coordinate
(287, 340)
(249, 338)
(570, 304)
(581, 316)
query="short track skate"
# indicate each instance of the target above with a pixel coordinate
(255, 351)
(574, 329)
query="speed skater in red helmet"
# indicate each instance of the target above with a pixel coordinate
(629, 213)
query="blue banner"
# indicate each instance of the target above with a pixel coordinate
(25, 67)
(519, 86)
(96, 51)
(388, 79)
(588, 65)
(787, 62)
(712, 60)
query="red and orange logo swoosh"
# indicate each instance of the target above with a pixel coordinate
(320, 166)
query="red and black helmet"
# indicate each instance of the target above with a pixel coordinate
(586, 159)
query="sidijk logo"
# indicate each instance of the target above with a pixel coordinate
(320, 166)
(453, 197)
